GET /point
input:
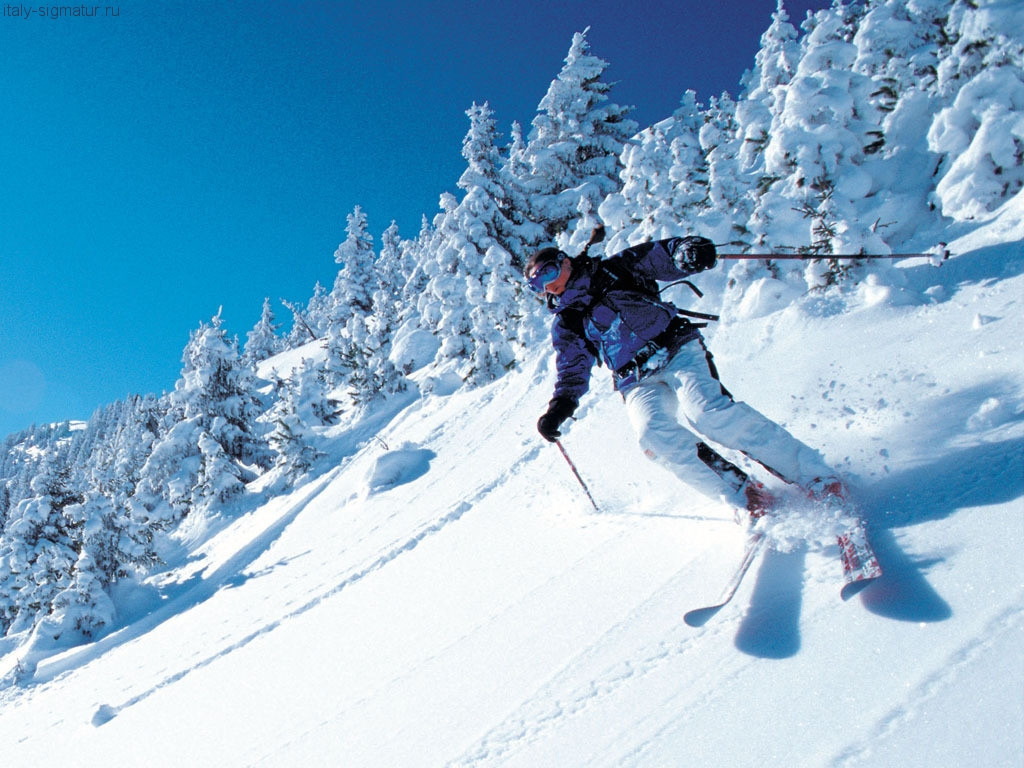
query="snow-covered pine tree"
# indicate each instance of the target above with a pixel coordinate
(497, 310)
(303, 404)
(575, 143)
(163, 494)
(689, 171)
(39, 546)
(644, 204)
(128, 446)
(215, 396)
(219, 479)
(417, 254)
(5, 502)
(348, 359)
(513, 174)
(440, 266)
(83, 607)
(290, 440)
(392, 275)
(762, 100)
(980, 135)
(262, 341)
(817, 148)
(301, 332)
(310, 322)
(728, 200)
(217, 388)
(415, 341)
(473, 291)
(898, 47)
(119, 545)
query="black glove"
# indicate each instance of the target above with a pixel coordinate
(695, 254)
(559, 409)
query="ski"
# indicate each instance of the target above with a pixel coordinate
(860, 565)
(698, 617)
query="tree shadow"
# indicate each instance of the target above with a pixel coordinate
(994, 262)
(975, 476)
(979, 475)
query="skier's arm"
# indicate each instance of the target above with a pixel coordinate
(573, 363)
(672, 258)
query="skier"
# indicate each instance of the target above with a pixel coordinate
(609, 311)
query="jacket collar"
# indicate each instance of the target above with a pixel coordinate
(577, 290)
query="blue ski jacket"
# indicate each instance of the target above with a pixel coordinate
(611, 313)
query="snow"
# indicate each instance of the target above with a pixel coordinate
(415, 578)
(440, 591)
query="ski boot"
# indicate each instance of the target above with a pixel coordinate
(830, 491)
(760, 501)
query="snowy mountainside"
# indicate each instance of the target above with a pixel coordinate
(440, 592)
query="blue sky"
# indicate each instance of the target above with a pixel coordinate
(177, 157)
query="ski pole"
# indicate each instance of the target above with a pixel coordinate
(940, 250)
(812, 256)
(577, 473)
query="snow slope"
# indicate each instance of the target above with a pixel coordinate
(442, 593)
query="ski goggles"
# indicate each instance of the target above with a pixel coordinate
(543, 274)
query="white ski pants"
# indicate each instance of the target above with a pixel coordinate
(686, 390)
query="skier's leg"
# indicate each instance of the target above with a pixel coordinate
(712, 412)
(653, 410)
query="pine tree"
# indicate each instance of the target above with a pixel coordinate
(761, 103)
(644, 204)
(309, 323)
(980, 134)
(219, 478)
(575, 142)
(817, 149)
(217, 389)
(689, 171)
(472, 282)
(302, 405)
(728, 195)
(5, 502)
(214, 399)
(417, 254)
(392, 274)
(348, 358)
(514, 173)
(440, 267)
(83, 607)
(898, 47)
(262, 341)
(38, 548)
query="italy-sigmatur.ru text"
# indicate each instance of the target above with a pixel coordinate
(60, 11)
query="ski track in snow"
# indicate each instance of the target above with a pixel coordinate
(863, 751)
(396, 550)
(563, 698)
(355, 705)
